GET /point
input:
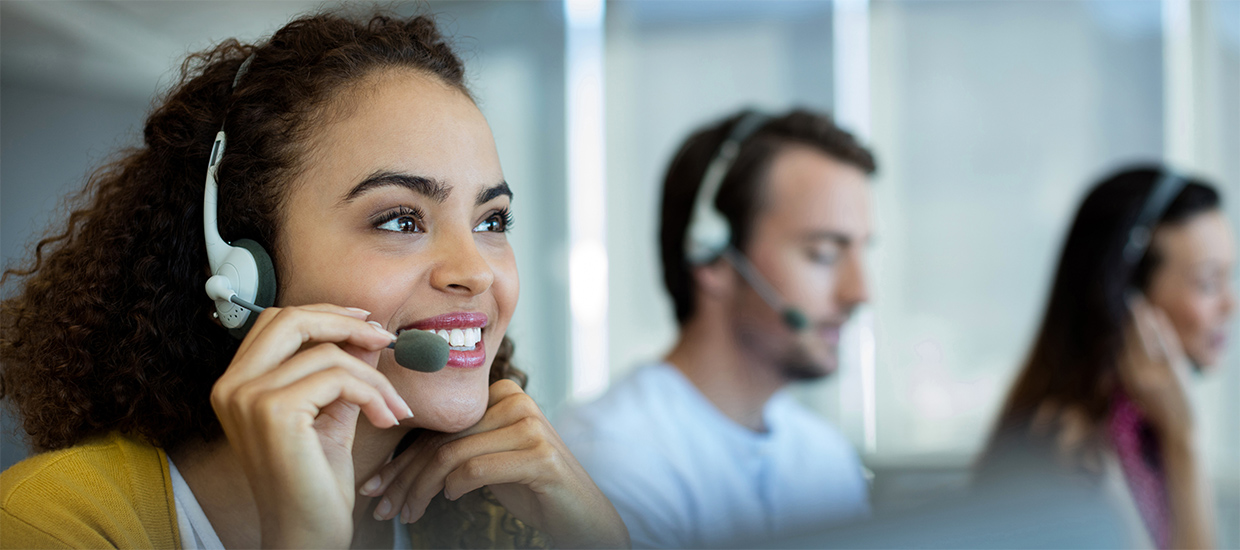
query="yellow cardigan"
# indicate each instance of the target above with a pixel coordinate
(116, 492)
(112, 492)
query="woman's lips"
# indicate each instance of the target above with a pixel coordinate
(451, 326)
(1218, 341)
(448, 321)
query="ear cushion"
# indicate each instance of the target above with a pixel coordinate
(266, 294)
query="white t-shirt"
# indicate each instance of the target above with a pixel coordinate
(682, 474)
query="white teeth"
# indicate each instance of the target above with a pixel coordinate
(463, 338)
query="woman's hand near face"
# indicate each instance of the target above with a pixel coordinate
(1154, 371)
(514, 451)
(289, 404)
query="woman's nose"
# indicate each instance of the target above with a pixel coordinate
(460, 267)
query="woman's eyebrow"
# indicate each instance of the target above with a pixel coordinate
(500, 189)
(429, 187)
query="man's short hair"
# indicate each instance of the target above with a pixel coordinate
(739, 198)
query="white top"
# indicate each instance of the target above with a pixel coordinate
(682, 474)
(196, 530)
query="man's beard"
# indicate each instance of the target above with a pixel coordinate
(799, 356)
(798, 364)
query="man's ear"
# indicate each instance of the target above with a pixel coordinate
(716, 279)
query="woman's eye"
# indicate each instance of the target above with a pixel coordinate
(1206, 286)
(401, 224)
(497, 222)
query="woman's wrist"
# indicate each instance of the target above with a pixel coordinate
(1178, 444)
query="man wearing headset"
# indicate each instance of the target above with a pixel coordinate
(763, 230)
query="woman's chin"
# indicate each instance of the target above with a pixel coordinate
(449, 415)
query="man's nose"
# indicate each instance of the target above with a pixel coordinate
(851, 287)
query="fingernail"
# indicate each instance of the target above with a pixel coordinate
(404, 514)
(408, 411)
(381, 330)
(371, 485)
(359, 310)
(381, 511)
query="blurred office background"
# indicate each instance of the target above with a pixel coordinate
(989, 120)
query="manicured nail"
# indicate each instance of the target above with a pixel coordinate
(408, 411)
(381, 330)
(405, 515)
(371, 486)
(381, 511)
(359, 310)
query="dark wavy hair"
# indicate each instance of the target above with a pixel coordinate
(109, 329)
(740, 192)
(1071, 372)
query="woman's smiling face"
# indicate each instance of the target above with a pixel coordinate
(400, 208)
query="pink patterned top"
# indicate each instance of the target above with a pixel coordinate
(1137, 450)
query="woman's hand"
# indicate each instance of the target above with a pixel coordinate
(289, 404)
(514, 451)
(1154, 371)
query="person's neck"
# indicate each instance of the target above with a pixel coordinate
(215, 476)
(737, 383)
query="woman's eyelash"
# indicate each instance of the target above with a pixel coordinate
(506, 215)
(502, 220)
(397, 213)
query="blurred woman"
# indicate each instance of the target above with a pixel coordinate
(358, 160)
(1142, 295)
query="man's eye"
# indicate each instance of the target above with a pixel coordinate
(824, 257)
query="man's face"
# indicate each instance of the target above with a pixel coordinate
(808, 240)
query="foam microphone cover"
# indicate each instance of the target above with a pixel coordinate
(421, 350)
(794, 319)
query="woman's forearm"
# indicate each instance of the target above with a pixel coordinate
(1188, 493)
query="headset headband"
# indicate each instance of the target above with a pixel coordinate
(1163, 193)
(709, 234)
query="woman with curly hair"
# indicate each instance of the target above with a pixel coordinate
(1142, 295)
(357, 159)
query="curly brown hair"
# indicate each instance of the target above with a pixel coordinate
(109, 328)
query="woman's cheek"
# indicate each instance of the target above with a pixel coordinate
(1195, 329)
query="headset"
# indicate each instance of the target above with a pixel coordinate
(1156, 204)
(709, 236)
(243, 278)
